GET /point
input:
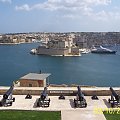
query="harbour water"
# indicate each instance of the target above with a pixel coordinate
(89, 69)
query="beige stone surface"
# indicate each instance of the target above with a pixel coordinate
(59, 88)
(68, 112)
(56, 104)
(81, 115)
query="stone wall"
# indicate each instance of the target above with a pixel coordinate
(45, 51)
(56, 91)
(31, 83)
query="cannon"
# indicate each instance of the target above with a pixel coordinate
(7, 98)
(43, 101)
(115, 98)
(28, 96)
(80, 100)
(61, 97)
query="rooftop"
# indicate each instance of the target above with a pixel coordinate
(36, 76)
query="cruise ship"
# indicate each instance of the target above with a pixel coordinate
(102, 50)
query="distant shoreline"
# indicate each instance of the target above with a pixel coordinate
(15, 43)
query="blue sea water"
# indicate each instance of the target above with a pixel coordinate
(89, 69)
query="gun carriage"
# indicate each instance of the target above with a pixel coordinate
(80, 100)
(7, 98)
(115, 98)
(43, 101)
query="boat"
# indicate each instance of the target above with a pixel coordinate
(84, 51)
(33, 51)
(102, 50)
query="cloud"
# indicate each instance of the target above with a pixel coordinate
(23, 7)
(64, 4)
(75, 8)
(9, 1)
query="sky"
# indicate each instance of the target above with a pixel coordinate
(59, 16)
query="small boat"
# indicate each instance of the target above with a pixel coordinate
(33, 51)
(84, 51)
(102, 50)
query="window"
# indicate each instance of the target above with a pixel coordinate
(30, 85)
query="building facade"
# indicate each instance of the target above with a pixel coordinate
(34, 80)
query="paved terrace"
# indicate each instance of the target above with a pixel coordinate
(68, 112)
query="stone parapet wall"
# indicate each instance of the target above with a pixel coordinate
(54, 91)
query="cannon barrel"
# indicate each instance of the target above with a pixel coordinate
(114, 93)
(44, 93)
(5, 96)
(80, 94)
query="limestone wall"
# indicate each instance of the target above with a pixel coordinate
(51, 51)
(53, 91)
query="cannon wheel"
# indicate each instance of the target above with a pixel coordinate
(48, 104)
(10, 103)
(1, 104)
(13, 99)
(112, 105)
(74, 103)
(85, 104)
(38, 104)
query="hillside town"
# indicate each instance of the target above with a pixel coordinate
(80, 39)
